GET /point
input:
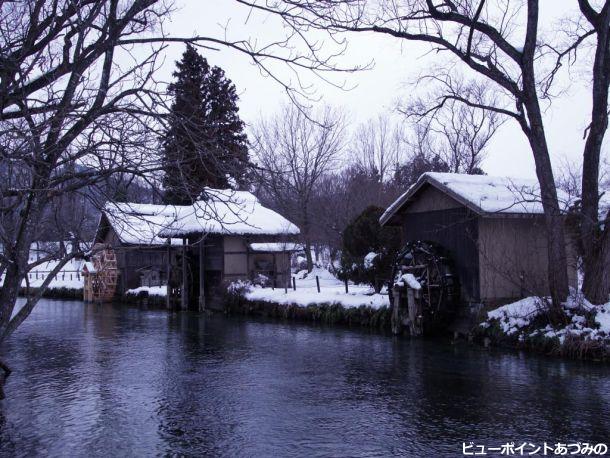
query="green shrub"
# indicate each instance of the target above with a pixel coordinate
(365, 236)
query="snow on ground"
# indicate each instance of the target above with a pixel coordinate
(151, 290)
(69, 276)
(308, 280)
(515, 319)
(332, 291)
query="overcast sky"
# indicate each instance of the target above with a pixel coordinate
(374, 91)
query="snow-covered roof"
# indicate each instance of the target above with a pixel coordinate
(485, 195)
(223, 212)
(275, 247)
(140, 224)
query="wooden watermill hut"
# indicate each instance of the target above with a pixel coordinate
(492, 228)
(194, 249)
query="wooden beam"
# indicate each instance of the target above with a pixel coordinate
(202, 274)
(247, 242)
(184, 289)
(168, 271)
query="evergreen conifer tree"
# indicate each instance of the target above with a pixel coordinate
(205, 143)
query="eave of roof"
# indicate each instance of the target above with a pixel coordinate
(427, 179)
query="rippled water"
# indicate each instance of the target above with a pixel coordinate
(112, 381)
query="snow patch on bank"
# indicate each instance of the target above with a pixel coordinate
(587, 321)
(304, 298)
(517, 315)
(151, 290)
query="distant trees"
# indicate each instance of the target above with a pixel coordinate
(370, 166)
(294, 150)
(204, 143)
(451, 132)
(378, 145)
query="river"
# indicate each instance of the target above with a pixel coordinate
(92, 380)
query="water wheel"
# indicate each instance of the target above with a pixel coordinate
(104, 280)
(438, 293)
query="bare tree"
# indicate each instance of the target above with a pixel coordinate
(457, 133)
(340, 197)
(377, 146)
(593, 27)
(497, 41)
(294, 150)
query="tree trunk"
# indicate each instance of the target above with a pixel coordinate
(308, 253)
(554, 220)
(534, 130)
(594, 240)
(306, 235)
(596, 284)
(6, 371)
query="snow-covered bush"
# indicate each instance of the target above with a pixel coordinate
(301, 274)
(261, 280)
(369, 260)
(300, 262)
(239, 287)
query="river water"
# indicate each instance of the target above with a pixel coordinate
(94, 380)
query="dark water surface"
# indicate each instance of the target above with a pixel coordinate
(109, 381)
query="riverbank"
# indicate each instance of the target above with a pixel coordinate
(316, 297)
(331, 313)
(56, 292)
(583, 333)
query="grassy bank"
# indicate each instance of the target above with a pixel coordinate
(572, 346)
(324, 313)
(143, 299)
(57, 293)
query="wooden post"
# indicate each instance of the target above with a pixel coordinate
(201, 274)
(249, 275)
(396, 319)
(184, 291)
(168, 272)
(415, 312)
(346, 288)
(294, 283)
(318, 283)
(274, 271)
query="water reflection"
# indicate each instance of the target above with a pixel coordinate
(102, 380)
